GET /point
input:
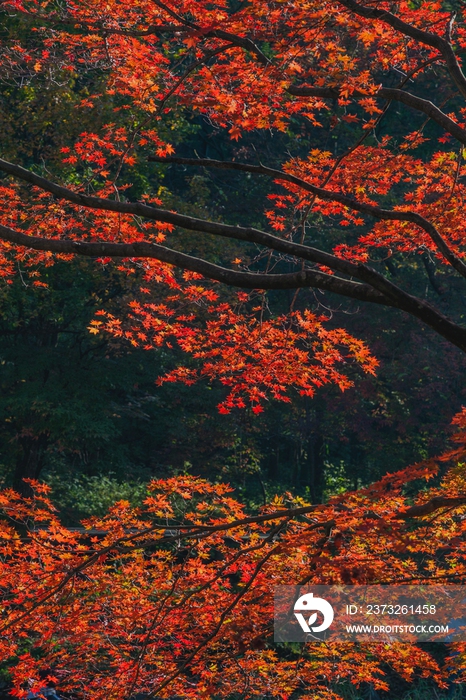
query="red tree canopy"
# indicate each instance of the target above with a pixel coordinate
(176, 598)
(132, 72)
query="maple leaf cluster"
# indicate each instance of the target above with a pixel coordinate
(262, 67)
(176, 596)
(251, 356)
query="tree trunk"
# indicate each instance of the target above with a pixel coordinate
(316, 467)
(29, 462)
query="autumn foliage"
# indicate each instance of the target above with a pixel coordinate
(175, 598)
(263, 67)
(253, 357)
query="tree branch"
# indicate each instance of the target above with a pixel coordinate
(420, 35)
(251, 235)
(420, 105)
(246, 280)
(329, 195)
(388, 295)
(243, 42)
(431, 506)
(375, 287)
